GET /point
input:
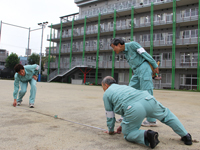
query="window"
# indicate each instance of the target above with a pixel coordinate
(145, 37)
(188, 81)
(121, 77)
(167, 56)
(121, 57)
(124, 57)
(118, 23)
(189, 57)
(64, 46)
(157, 57)
(73, 58)
(169, 17)
(166, 78)
(89, 58)
(194, 11)
(186, 34)
(141, 20)
(110, 58)
(157, 1)
(93, 58)
(189, 34)
(158, 17)
(169, 38)
(194, 33)
(117, 58)
(189, 12)
(158, 37)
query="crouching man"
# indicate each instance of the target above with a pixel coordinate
(134, 105)
(24, 75)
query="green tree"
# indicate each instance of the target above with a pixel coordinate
(12, 60)
(35, 59)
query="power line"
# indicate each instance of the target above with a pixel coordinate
(17, 46)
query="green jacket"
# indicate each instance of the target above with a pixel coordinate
(30, 70)
(118, 97)
(136, 55)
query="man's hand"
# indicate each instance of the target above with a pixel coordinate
(156, 70)
(119, 130)
(34, 77)
(14, 103)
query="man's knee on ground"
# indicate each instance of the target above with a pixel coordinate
(132, 137)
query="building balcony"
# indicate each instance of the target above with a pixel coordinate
(107, 29)
(3, 58)
(178, 64)
(105, 45)
(164, 64)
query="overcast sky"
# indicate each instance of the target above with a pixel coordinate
(28, 13)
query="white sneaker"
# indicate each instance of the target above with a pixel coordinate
(119, 120)
(149, 124)
(31, 105)
(19, 103)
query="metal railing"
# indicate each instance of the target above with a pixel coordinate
(179, 63)
(107, 27)
(106, 45)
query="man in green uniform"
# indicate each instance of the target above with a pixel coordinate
(134, 105)
(24, 75)
(138, 60)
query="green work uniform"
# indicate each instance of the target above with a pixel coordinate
(138, 60)
(134, 105)
(30, 70)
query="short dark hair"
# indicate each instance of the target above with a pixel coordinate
(117, 41)
(18, 67)
(108, 80)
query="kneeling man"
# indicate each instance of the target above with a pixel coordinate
(134, 105)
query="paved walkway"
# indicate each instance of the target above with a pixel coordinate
(36, 129)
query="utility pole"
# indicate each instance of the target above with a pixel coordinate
(43, 26)
(29, 30)
(0, 30)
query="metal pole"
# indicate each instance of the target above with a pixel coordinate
(0, 30)
(39, 79)
(60, 47)
(97, 57)
(132, 30)
(151, 31)
(83, 57)
(70, 59)
(198, 64)
(113, 53)
(49, 53)
(173, 44)
(28, 43)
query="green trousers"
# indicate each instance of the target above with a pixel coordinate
(147, 107)
(22, 92)
(142, 80)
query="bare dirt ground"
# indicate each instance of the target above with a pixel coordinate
(22, 128)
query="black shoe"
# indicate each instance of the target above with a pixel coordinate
(152, 137)
(187, 139)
